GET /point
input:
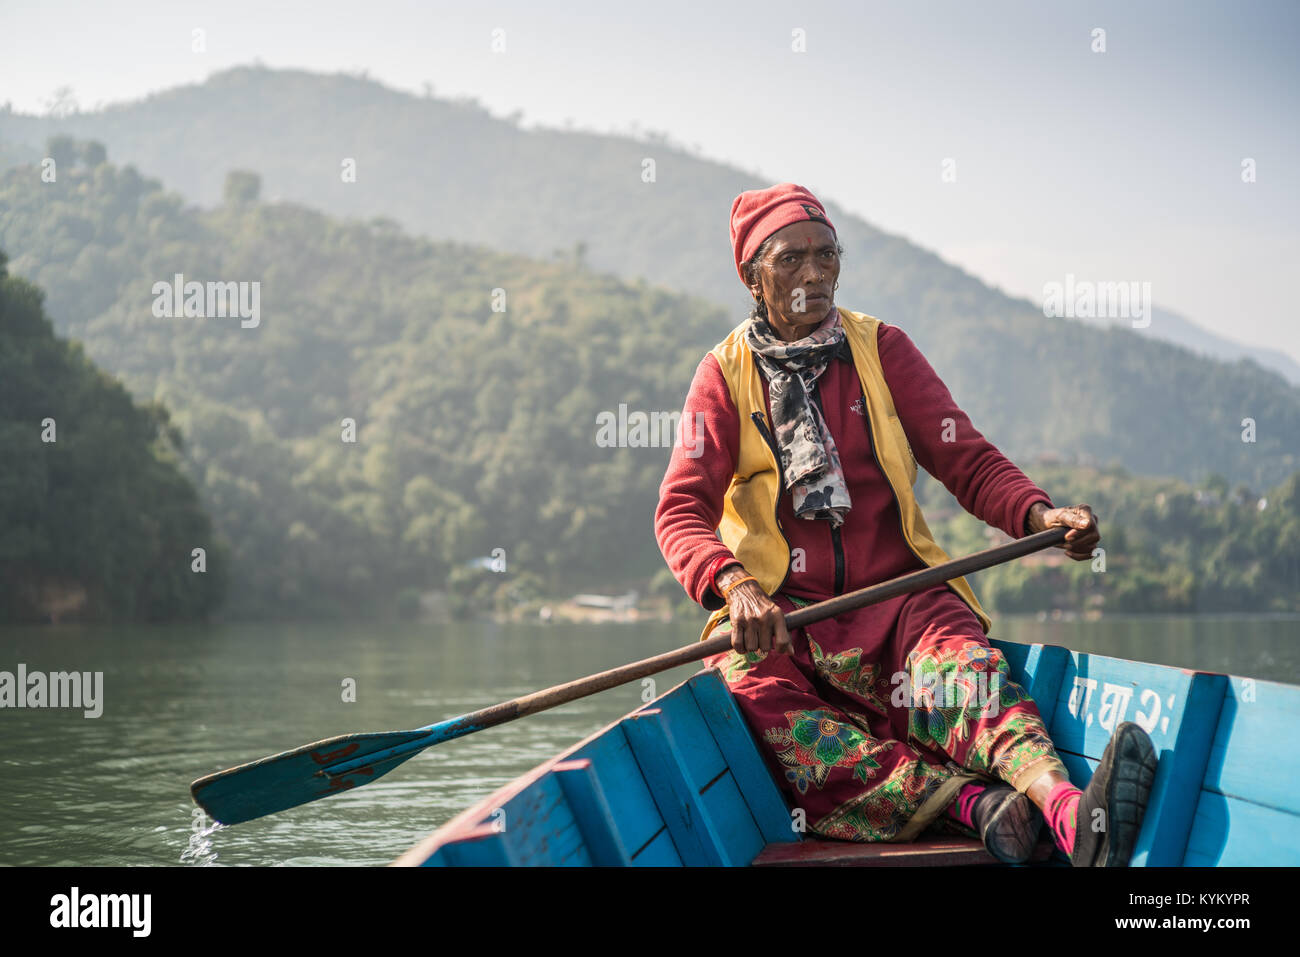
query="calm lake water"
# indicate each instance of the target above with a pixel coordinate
(183, 702)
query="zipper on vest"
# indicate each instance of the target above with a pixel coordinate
(758, 420)
(839, 560)
(837, 545)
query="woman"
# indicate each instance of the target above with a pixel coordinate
(898, 717)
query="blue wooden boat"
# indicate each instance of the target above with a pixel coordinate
(680, 781)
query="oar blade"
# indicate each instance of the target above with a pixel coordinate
(290, 778)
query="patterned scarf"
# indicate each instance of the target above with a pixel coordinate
(808, 455)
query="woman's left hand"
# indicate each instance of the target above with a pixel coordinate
(1084, 533)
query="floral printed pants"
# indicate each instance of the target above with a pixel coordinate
(879, 716)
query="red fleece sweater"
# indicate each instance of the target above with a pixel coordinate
(873, 549)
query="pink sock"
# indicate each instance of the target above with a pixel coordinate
(1060, 813)
(962, 809)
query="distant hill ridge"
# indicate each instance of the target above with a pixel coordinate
(449, 170)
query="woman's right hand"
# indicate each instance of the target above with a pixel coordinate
(757, 623)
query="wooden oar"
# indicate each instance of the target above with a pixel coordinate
(327, 767)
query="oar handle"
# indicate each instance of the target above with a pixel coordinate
(582, 687)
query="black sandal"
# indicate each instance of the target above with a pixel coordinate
(1119, 790)
(1007, 822)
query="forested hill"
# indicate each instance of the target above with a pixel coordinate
(450, 171)
(97, 521)
(1042, 387)
(474, 429)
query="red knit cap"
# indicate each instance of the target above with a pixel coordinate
(758, 213)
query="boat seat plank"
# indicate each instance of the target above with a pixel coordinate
(676, 794)
(695, 744)
(592, 811)
(725, 805)
(636, 818)
(750, 772)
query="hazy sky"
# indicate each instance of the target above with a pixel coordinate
(1122, 165)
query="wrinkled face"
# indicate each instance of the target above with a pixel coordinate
(796, 277)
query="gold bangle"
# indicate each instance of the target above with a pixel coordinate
(726, 592)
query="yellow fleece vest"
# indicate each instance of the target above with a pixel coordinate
(749, 525)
